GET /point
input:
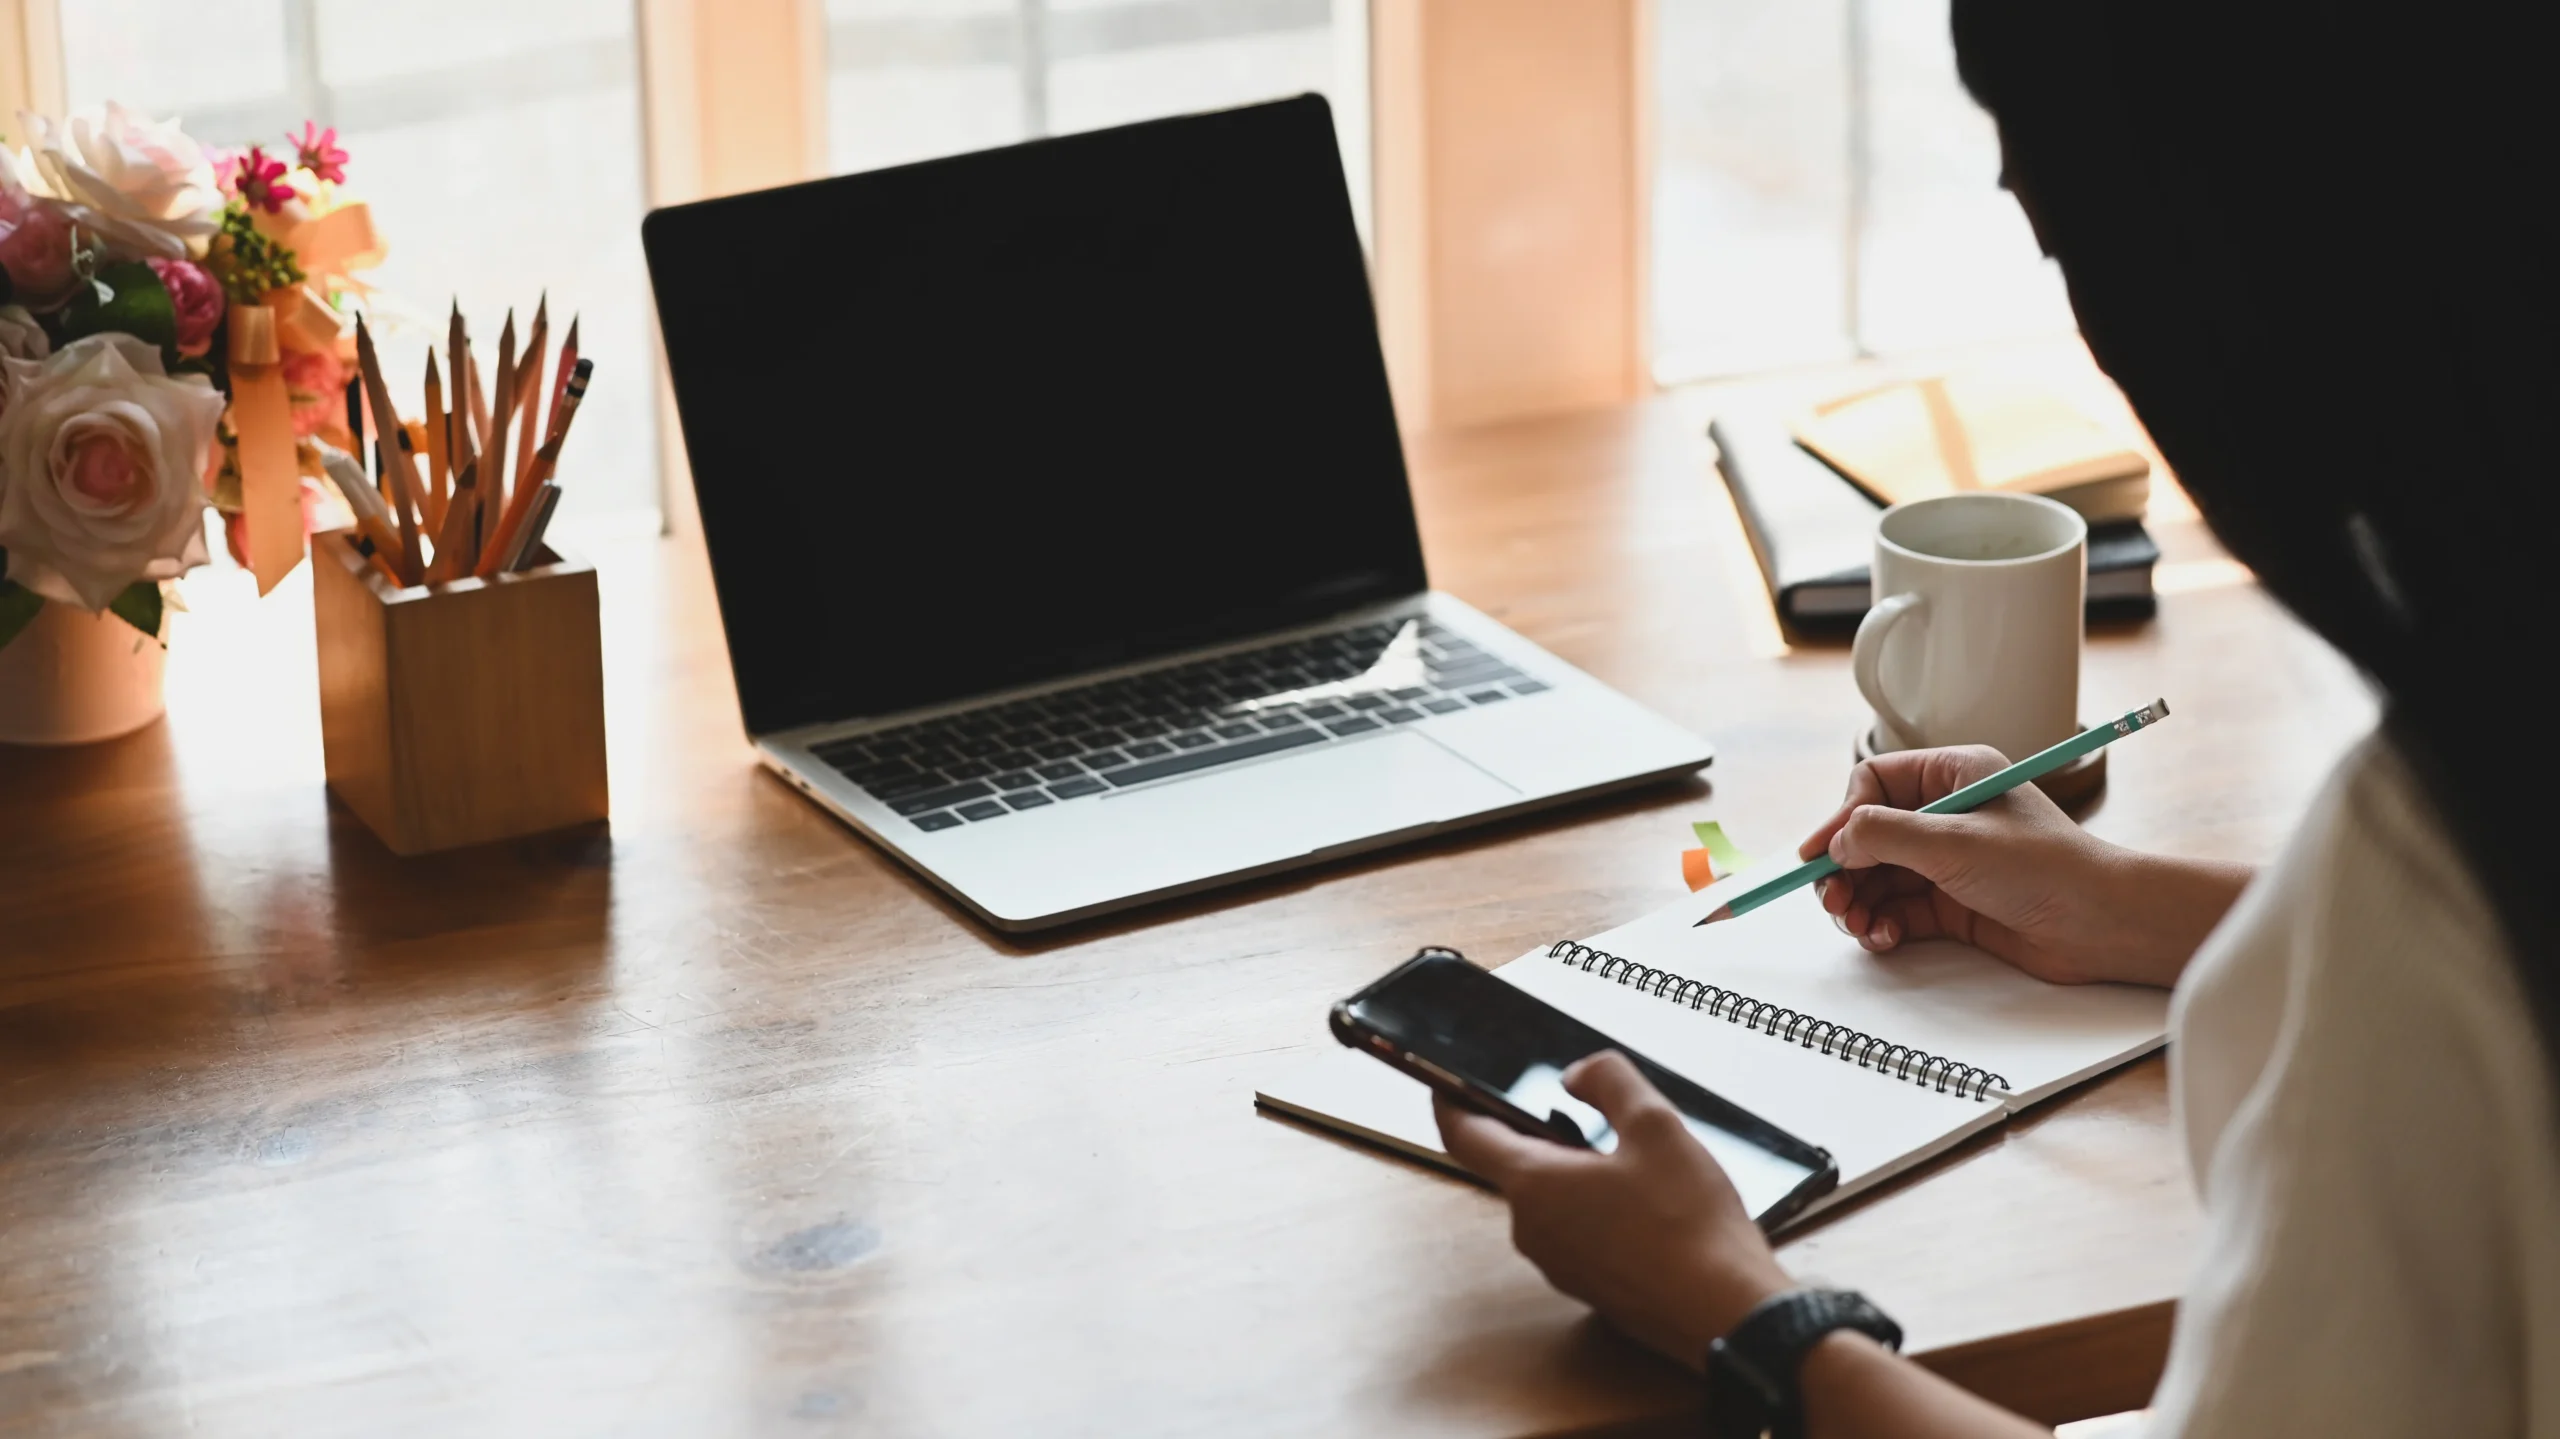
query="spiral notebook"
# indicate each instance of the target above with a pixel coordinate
(1885, 1060)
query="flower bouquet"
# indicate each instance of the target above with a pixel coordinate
(175, 334)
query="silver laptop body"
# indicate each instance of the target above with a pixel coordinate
(1062, 535)
(1456, 722)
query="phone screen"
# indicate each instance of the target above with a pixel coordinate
(1445, 1011)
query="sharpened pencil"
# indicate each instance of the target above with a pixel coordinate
(1971, 797)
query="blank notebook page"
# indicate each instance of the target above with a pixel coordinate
(1949, 999)
(1873, 1125)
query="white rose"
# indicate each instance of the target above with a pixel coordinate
(13, 373)
(22, 346)
(102, 457)
(144, 186)
(21, 338)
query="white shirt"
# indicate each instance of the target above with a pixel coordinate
(2370, 1120)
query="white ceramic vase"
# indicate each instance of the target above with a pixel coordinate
(71, 677)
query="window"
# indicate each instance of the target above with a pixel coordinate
(498, 142)
(1824, 187)
(911, 79)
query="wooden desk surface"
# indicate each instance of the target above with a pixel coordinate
(725, 1124)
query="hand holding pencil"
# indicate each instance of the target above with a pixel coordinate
(2015, 877)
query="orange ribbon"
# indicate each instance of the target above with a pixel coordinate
(262, 420)
(340, 241)
(305, 323)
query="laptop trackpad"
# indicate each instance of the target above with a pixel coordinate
(1086, 852)
(1280, 809)
(1329, 795)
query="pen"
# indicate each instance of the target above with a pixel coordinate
(1971, 797)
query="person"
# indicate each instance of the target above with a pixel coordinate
(2316, 254)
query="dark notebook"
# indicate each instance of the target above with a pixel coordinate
(1813, 532)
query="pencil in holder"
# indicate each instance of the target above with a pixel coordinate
(460, 713)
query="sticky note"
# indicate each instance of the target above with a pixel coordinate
(1728, 856)
(1698, 868)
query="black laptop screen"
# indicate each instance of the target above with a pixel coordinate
(1013, 415)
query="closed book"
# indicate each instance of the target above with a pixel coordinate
(1946, 434)
(1814, 532)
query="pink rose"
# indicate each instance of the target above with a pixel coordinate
(196, 296)
(35, 247)
(100, 453)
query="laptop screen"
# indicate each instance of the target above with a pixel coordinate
(1010, 416)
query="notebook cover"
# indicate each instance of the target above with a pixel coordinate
(1813, 532)
(1941, 434)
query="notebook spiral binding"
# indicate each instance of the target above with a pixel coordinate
(1868, 1052)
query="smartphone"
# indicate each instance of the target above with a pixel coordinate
(1488, 1046)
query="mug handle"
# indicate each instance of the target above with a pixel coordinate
(1866, 661)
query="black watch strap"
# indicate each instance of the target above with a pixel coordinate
(1751, 1373)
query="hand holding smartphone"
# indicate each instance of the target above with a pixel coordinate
(1488, 1046)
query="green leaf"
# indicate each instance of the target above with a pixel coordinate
(18, 607)
(138, 304)
(139, 606)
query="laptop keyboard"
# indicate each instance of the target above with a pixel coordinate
(983, 765)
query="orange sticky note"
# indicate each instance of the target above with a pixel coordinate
(1698, 868)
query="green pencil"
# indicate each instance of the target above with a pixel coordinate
(1972, 796)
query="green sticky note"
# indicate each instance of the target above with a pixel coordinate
(1727, 855)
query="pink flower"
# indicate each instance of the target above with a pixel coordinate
(315, 385)
(35, 243)
(100, 456)
(259, 179)
(100, 466)
(196, 296)
(317, 151)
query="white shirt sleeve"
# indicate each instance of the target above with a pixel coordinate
(2382, 1253)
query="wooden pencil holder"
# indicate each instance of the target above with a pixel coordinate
(465, 712)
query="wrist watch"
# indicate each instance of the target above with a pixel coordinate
(1751, 1373)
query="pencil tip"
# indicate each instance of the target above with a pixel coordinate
(1722, 911)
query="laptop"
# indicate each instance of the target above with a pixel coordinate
(1060, 527)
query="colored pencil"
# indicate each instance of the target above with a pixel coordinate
(454, 554)
(545, 461)
(439, 457)
(537, 348)
(1969, 798)
(386, 421)
(560, 382)
(529, 537)
(365, 503)
(493, 455)
(479, 402)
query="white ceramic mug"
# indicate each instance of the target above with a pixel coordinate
(1974, 633)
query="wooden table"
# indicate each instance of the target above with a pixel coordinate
(723, 1123)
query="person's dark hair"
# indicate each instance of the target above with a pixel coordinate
(2316, 250)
